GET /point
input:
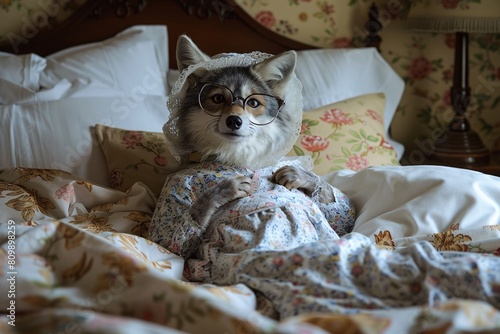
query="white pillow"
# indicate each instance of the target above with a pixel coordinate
(332, 75)
(21, 70)
(13, 94)
(59, 134)
(135, 61)
(119, 82)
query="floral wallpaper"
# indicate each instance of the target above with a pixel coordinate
(424, 60)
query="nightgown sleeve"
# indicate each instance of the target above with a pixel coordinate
(340, 213)
(171, 225)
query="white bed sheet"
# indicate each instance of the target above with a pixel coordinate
(414, 201)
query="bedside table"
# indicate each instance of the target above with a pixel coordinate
(492, 167)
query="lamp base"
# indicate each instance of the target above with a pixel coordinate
(461, 149)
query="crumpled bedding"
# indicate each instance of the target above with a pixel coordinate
(79, 259)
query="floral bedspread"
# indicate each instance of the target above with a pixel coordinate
(75, 257)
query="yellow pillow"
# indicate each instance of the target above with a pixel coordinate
(346, 135)
(135, 156)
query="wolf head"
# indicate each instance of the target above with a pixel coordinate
(236, 112)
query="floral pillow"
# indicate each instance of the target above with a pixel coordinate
(346, 135)
(135, 156)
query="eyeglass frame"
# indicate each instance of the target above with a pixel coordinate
(281, 102)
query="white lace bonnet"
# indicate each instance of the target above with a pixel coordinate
(292, 109)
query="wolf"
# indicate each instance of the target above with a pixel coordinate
(233, 118)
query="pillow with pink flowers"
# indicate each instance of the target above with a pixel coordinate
(135, 156)
(346, 135)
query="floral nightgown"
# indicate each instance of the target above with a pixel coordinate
(270, 218)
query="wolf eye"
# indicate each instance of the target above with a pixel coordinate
(253, 103)
(218, 98)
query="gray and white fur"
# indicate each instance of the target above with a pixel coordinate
(231, 138)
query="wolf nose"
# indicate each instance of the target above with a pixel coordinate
(234, 122)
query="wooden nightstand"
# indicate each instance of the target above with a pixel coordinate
(492, 167)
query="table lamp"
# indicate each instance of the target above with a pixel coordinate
(459, 145)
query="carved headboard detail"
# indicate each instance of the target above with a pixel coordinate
(205, 8)
(121, 8)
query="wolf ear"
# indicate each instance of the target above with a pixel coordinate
(188, 53)
(277, 70)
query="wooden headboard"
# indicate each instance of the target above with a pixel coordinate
(216, 26)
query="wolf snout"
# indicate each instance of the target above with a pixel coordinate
(234, 122)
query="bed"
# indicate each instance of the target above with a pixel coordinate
(83, 160)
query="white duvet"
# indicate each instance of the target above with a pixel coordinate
(414, 201)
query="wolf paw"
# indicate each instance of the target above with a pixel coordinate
(292, 177)
(307, 182)
(227, 190)
(231, 188)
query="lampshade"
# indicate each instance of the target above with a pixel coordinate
(447, 16)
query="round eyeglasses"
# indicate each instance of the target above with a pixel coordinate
(215, 99)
